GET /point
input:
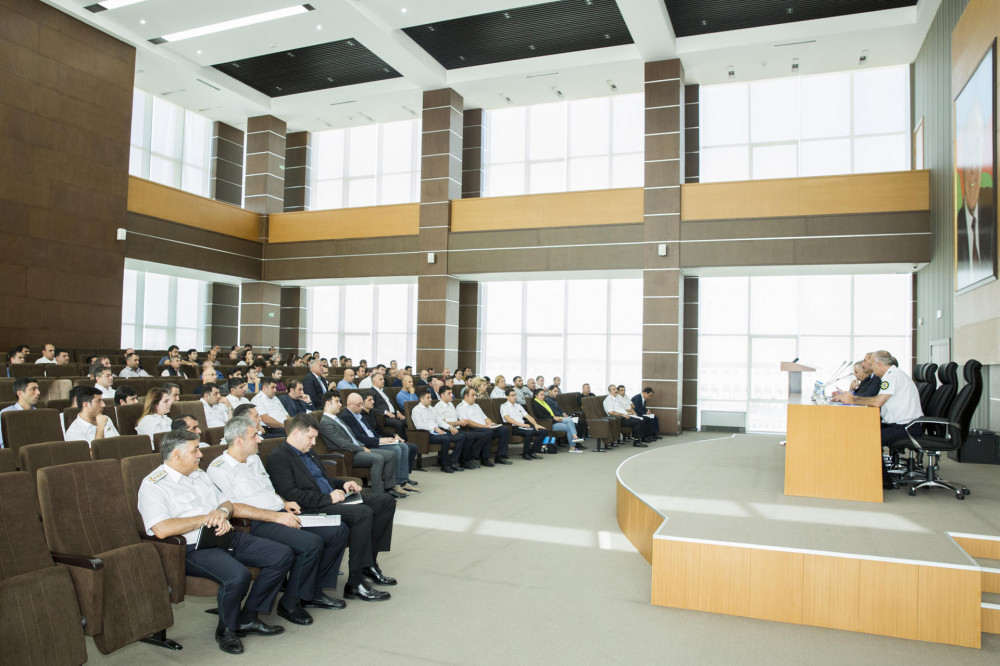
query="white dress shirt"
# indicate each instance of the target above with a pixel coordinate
(44, 360)
(105, 392)
(425, 418)
(446, 411)
(471, 412)
(166, 493)
(150, 424)
(515, 412)
(388, 401)
(235, 402)
(217, 416)
(498, 392)
(903, 404)
(611, 405)
(81, 430)
(624, 404)
(129, 372)
(246, 482)
(366, 383)
(270, 406)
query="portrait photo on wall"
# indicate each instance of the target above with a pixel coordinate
(975, 194)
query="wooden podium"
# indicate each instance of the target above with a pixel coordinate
(795, 371)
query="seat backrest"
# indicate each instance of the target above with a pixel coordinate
(569, 402)
(30, 426)
(193, 408)
(210, 453)
(85, 508)
(268, 445)
(940, 402)
(134, 470)
(121, 447)
(965, 403)
(22, 541)
(213, 436)
(8, 461)
(128, 416)
(593, 407)
(491, 407)
(53, 389)
(409, 414)
(34, 457)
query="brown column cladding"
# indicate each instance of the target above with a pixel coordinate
(689, 407)
(470, 319)
(663, 288)
(298, 164)
(440, 182)
(260, 314)
(292, 335)
(265, 181)
(227, 164)
(472, 154)
(224, 314)
(692, 138)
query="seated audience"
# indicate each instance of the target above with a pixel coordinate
(500, 388)
(217, 411)
(27, 392)
(91, 423)
(132, 368)
(126, 395)
(14, 357)
(407, 450)
(272, 412)
(406, 393)
(62, 357)
(347, 382)
(475, 442)
(103, 379)
(153, 418)
(477, 422)
(314, 384)
(189, 423)
(614, 408)
(523, 392)
(560, 423)
(172, 351)
(295, 401)
(426, 418)
(237, 391)
(338, 436)
(178, 499)
(174, 369)
(173, 389)
(48, 354)
(279, 383)
(523, 425)
(394, 418)
(387, 446)
(640, 409)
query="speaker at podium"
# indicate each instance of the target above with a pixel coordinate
(795, 370)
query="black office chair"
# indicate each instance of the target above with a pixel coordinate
(955, 431)
(925, 375)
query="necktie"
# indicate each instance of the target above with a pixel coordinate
(348, 431)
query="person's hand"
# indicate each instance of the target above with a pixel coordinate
(306, 399)
(855, 384)
(400, 416)
(846, 398)
(367, 450)
(288, 520)
(489, 421)
(538, 427)
(352, 487)
(102, 421)
(437, 431)
(223, 528)
(388, 440)
(215, 518)
(293, 507)
(337, 496)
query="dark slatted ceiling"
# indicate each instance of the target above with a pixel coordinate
(310, 68)
(699, 17)
(524, 32)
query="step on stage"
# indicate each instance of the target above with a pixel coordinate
(712, 518)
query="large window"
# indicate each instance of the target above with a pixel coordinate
(162, 310)
(370, 165)
(584, 331)
(373, 322)
(826, 124)
(170, 145)
(748, 326)
(588, 144)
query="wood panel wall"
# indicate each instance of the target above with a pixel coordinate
(543, 211)
(367, 222)
(168, 203)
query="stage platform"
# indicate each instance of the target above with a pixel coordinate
(712, 519)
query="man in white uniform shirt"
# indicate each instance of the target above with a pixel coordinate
(475, 442)
(48, 354)
(240, 477)
(178, 499)
(425, 418)
(237, 392)
(366, 382)
(476, 421)
(525, 426)
(217, 411)
(91, 423)
(27, 392)
(103, 379)
(132, 368)
(272, 412)
(613, 407)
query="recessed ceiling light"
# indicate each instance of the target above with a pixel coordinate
(115, 4)
(241, 22)
(403, 10)
(142, 21)
(319, 27)
(199, 51)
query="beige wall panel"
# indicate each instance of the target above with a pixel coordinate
(888, 598)
(564, 209)
(823, 195)
(830, 591)
(949, 606)
(990, 620)
(155, 200)
(374, 221)
(988, 548)
(776, 580)
(676, 573)
(724, 580)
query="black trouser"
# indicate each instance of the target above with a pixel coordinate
(318, 552)
(228, 568)
(444, 440)
(371, 529)
(502, 435)
(890, 433)
(638, 427)
(397, 425)
(477, 445)
(532, 438)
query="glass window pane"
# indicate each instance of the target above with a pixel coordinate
(625, 364)
(505, 179)
(390, 346)
(186, 338)
(358, 309)
(725, 164)
(397, 188)
(129, 295)
(625, 308)
(506, 131)
(589, 131)
(586, 362)
(139, 101)
(629, 120)
(328, 194)
(358, 346)
(135, 161)
(767, 416)
(324, 309)
(897, 345)
(881, 153)
(166, 125)
(502, 354)
(393, 306)
(774, 110)
(397, 146)
(724, 305)
(362, 150)
(547, 137)
(586, 311)
(128, 335)
(827, 157)
(722, 367)
(325, 343)
(502, 307)
(825, 304)
(154, 338)
(826, 105)
(589, 173)
(882, 304)
(767, 381)
(360, 192)
(724, 114)
(155, 301)
(774, 305)
(775, 161)
(547, 177)
(187, 305)
(194, 180)
(545, 355)
(627, 170)
(163, 171)
(328, 154)
(826, 354)
(882, 100)
(546, 300)
(197, 139)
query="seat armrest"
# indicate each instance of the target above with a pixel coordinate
(173, 555)
(87, 574)
(333, 465)
(239, 522)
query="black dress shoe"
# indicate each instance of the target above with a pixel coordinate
(458, 468)
(468, 464)
(323, 601)
(376, 576)
(447, 469)
(487, 463)
(535, 456)
(640, 444)
(503, 461)
(412, 482)
(395, 494)
(259, 628)
(526, 456)
(229, 642)
(364, 592)
(297, 615)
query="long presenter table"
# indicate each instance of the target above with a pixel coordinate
(833, 452)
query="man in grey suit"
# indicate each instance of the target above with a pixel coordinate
(338, 436)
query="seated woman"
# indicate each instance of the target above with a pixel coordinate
(481, 386)
(153, 418)
(559, 423)
(406, 393)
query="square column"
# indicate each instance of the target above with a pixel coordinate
(226, 178)
(689, 408)
(470, 319)
(265, 182)
(292, 336)
(223, 314)
(298, 161)
(692, 134)
(663, 287)
(472, 154)
(260, 314)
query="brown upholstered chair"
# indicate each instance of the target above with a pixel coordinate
(128, 416)
(266, 446)
(41, 615)
(120, 447)
(213, 436)
(210, 453)
(34, 457)
(85, 510)
(8, 460)
(602, 427)
(30, 427)
(190, 408)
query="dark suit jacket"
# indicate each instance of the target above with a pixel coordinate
(292, 480)
(293, 407)
(554, 406)
(987, 243)
(336, 437)
(359, 432)
(434, 394)
(315, 389)
(637, 405)
(372, 422)
(397, 382)
(868, 388)
(381, 406)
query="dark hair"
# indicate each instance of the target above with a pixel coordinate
(168, 387)
(509, 391)
(294, 383)
(243, 409)
(60, 350)
(302, 422)
(330, 395)
(96, 369)
(21, 383)
(648, 389)
(208, 388)
(172, 348)
(124, 392)
(85, 395)
(179, 423)
(173, 439)
(267, 381)
(448, 389)
(235, 382)
(540, 391)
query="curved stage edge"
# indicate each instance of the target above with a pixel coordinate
(937, 599)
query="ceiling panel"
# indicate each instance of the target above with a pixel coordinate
(523, 32)
(701, 17)
(319, 67)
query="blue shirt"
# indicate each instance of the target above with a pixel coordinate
(317, 473)
(364, 426)
(344, 384)
(403, 397)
